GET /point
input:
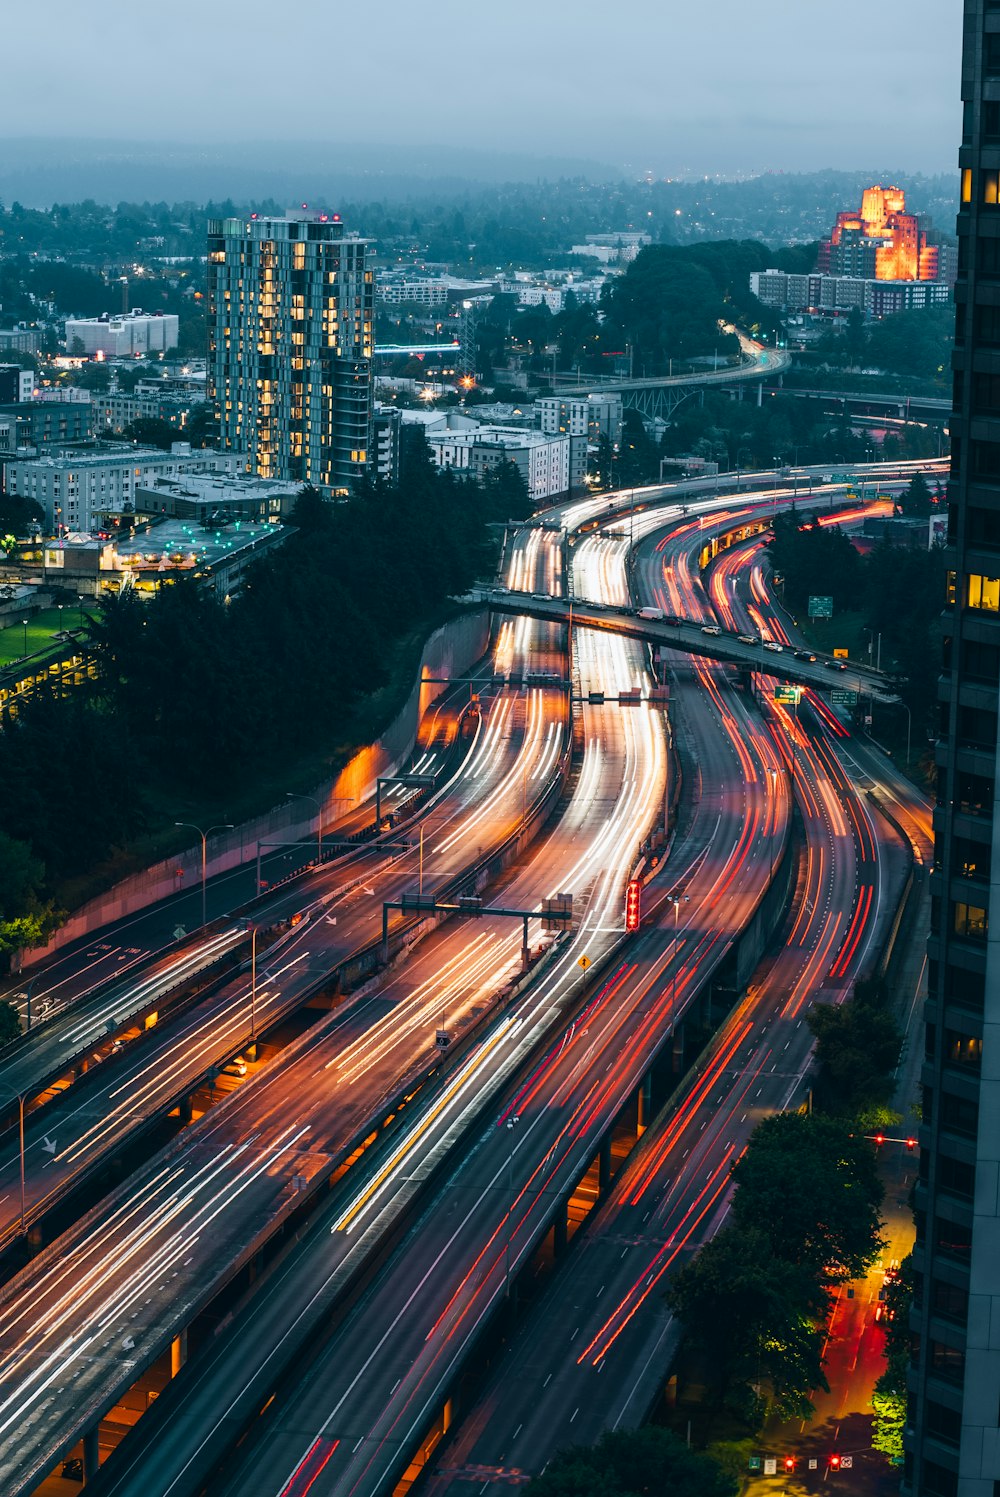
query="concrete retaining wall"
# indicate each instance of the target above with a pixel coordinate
(451, 650)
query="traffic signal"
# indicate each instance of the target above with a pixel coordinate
(789, 1463)
(880, 1138)
(835, 1463)
(633, 904)
(911, 1143)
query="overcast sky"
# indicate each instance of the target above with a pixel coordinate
(673, 86)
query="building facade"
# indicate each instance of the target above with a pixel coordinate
(291, 334)
(124, 337)
(799, 292)
(952, 1436)
(78, 490)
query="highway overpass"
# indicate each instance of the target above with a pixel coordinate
(693, 639)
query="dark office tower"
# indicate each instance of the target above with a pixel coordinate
(953, 1427)
(290, 346)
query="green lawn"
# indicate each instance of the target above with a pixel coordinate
(39, 632)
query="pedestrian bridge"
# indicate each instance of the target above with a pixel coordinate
(823, 674)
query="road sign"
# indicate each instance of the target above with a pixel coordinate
(844, 698)
(846, 1462)
(788, 695)
(820, 606)
(584, 962)
(813, 1463)
(442, 1039)
(633, 904)
(754, 1463)
(840, 655)
(770, 1465)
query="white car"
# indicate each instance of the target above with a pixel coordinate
(711, 629)
(772, 644)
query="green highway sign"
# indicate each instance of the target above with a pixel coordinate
(844, 698)
(820, 607)
(788, 695)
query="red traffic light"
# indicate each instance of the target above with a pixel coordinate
(633, 904)
(880, 1138)
(789, 1463)
(911, 1143)
(835, 1463)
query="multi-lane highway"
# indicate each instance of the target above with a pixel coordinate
(145, 1264)
(596, 1351)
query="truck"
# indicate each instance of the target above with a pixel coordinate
(649, 613)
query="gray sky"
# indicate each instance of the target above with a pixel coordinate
(670, 85)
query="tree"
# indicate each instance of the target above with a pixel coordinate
(916, 500)
(624, 1463)
(889, 1397)
(812, 1186)
(857, 1047)
(755, 1317)
(856, 338)
(10, 1023)
(150, 431)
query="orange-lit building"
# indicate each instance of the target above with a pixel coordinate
(881, 243)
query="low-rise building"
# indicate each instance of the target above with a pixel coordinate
(20, 339)
(839, 293)
(16, 384)
(79, 490)
(45, 422)
(543, 461)
(214, 499)
(132, 333)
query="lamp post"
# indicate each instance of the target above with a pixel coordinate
(298, 795)
(772, 775)
(222, 826)
(512, 1123)
(253, 993)
(676, 900)
(24, 626)
(19, 1098)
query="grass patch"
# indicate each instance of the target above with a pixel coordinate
(18, 640)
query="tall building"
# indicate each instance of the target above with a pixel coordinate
(953, 1423)
(881, 243)
(291, 330)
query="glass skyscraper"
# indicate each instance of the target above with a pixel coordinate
(953, 1425)
(291, 331)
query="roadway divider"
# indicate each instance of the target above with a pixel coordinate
(887, 952)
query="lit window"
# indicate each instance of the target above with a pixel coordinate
(991, 188)
(984, 592)
(967, 185)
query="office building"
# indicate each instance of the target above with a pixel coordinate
(543, 461)
(952, 1437)
(124, 337)
(16, 384)
(79, 491)
(799, 292)
(291, 333)
(880, 243)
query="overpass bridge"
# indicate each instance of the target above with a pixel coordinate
(660, 397)
(823, 674)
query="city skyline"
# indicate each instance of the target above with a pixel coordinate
(779, 91)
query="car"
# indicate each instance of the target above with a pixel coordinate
(671, 618)
(72, 1470)
(748, 639)
(804, 655)
(835, 665)
(711, 629)
(237, 1067)
(772, 644)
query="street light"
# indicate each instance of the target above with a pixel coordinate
(24, 626)
(298, 795)
(19, 1097)
(512, 1123)
(223, 826)
(772, 775)
(676, 900)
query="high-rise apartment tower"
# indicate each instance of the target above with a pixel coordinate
(291, 329)
(953, 1423)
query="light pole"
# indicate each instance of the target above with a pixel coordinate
(298, 795)
(19, 1097)
(253, 993)
(676, 900)
(909, 729)
(772, 775)
(24, 626)
(512, 1123)
(223, 826)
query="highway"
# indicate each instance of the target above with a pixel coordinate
(622, 785)
(146, 1245)
(376, 1386)
(597, 1348)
